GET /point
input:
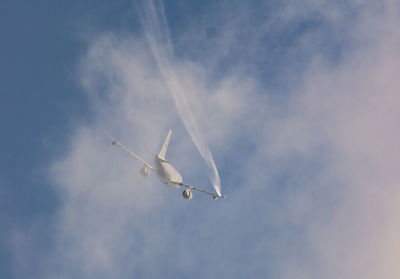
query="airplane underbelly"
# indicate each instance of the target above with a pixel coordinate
(169, 175)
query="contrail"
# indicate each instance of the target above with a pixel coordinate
(158, 37)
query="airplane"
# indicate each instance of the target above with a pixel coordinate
(165, 170)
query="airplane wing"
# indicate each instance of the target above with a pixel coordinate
(117, 143)
(215, 195)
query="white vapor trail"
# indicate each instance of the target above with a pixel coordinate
(158, 37)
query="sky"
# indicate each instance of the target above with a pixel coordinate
(298, 103)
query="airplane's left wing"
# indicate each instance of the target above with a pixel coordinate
(117, 143)
(215, 195)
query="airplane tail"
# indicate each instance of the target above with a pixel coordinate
(163, 150)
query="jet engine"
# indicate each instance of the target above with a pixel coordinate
(145, 171)
(187, 194)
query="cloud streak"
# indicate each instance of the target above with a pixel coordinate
(158, 37)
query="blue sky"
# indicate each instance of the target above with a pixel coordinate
(298, 103)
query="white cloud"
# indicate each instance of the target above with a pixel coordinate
(312, 178)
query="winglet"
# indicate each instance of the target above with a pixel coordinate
(215, 197)
(114, 141)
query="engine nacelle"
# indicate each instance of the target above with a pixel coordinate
(145, 171)
(187, 194)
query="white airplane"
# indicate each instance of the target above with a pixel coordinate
(165, 171)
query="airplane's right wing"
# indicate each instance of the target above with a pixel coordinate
(215, 195)
(117, 143)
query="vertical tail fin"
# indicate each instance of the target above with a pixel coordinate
(163, 150)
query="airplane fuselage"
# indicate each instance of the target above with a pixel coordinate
(167, 173)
